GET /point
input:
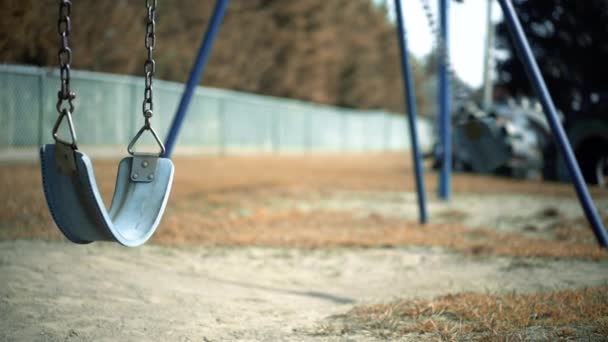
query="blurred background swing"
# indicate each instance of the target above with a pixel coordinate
(143, 182)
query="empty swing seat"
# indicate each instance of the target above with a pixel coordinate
(78, 210)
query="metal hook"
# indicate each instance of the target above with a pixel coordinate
(67, 114)
(136, 137)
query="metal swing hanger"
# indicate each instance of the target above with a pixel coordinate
(143, 182)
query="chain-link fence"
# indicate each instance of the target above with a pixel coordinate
(108, 113)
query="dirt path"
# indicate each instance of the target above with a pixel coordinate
(55, 291)
(500, 211)
(192, 290)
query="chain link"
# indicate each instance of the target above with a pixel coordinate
(462, 91)
(149, 64)
(149, 71)
(64, 56)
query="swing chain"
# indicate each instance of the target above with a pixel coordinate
(149, 71)
(149, 64)
(64, 56)
(462, 91)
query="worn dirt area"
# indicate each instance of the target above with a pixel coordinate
(56, 291)
(218, 201)
(276, 247)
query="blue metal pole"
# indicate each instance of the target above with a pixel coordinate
(445, 122)
(411, 111)
(536, 78)
(195, 75)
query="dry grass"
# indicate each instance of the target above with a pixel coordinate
(484, 317)
(225, 201)
(338, 229)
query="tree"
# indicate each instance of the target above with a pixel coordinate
(569, 41)
(341, 52)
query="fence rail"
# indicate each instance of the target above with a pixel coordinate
(108, 113)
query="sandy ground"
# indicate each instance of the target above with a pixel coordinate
(191, 290)
(56, 291)
(511, 212)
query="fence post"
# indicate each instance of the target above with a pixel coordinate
(309, 130)
(343, 129)
(133, 118)
(276, 126)
(223, 129)
(388, 130)
(40, 107)
(9, 107)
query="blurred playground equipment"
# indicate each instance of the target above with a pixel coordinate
(67, 157)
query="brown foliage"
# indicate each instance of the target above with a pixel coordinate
(341, 52)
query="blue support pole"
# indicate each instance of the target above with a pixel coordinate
(445, 122)
(536, 78)
(195, 75)
(411, 111)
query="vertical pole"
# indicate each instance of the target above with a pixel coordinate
(445, 124)
(536, 78)
(223, 126)
(343, 130)
(309, 131)
(40, 107)
(410, 96)
(487, 65)
(387, 131)
(134, 103)
(196, 73)
(276, 126)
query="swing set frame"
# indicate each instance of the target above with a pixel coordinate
(525, 55)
